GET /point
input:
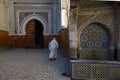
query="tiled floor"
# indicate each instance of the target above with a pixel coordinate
(31, 64)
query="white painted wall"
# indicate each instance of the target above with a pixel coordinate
(3, 17)
(64, 18)
(64, 13)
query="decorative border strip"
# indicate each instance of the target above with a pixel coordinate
(95, 70)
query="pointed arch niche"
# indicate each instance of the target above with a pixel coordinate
(94, 42)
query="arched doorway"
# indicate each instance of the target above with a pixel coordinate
(94, 42)
(34, 34)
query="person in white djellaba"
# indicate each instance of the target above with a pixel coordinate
(53, 47)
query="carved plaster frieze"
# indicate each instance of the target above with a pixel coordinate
(105, 19)
(73, 20)
(90, 12)
(22, 15)
(41, 9)
(8, 2)
(44, 8)
(33, 5)
(30, 17)
(94, 5)
(45, 17)
(28, 1)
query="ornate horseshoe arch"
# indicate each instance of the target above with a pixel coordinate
(95, 36)
(104, 25)
(30, 17)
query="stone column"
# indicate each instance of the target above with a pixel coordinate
(64, 14)
(111, 53)
(64, 18)
(118, 50)
(117, 31)
(73, 45)
(73, 36)
(118, 43)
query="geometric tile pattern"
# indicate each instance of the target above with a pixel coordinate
(94, 36)
(82, 71)
(115, 73)
(95, 71)
(98, 71)
(31, 64)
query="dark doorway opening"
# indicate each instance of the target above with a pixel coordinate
(34, 34)
(38, 34)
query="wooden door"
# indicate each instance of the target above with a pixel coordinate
(30, 34)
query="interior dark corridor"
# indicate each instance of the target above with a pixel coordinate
(38, 34)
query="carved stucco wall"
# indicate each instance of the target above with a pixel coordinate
(87, 14)
(105, 18)
(23, 23)
(49, 10)
(41, 13)
(73, 34)
(102, 18)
